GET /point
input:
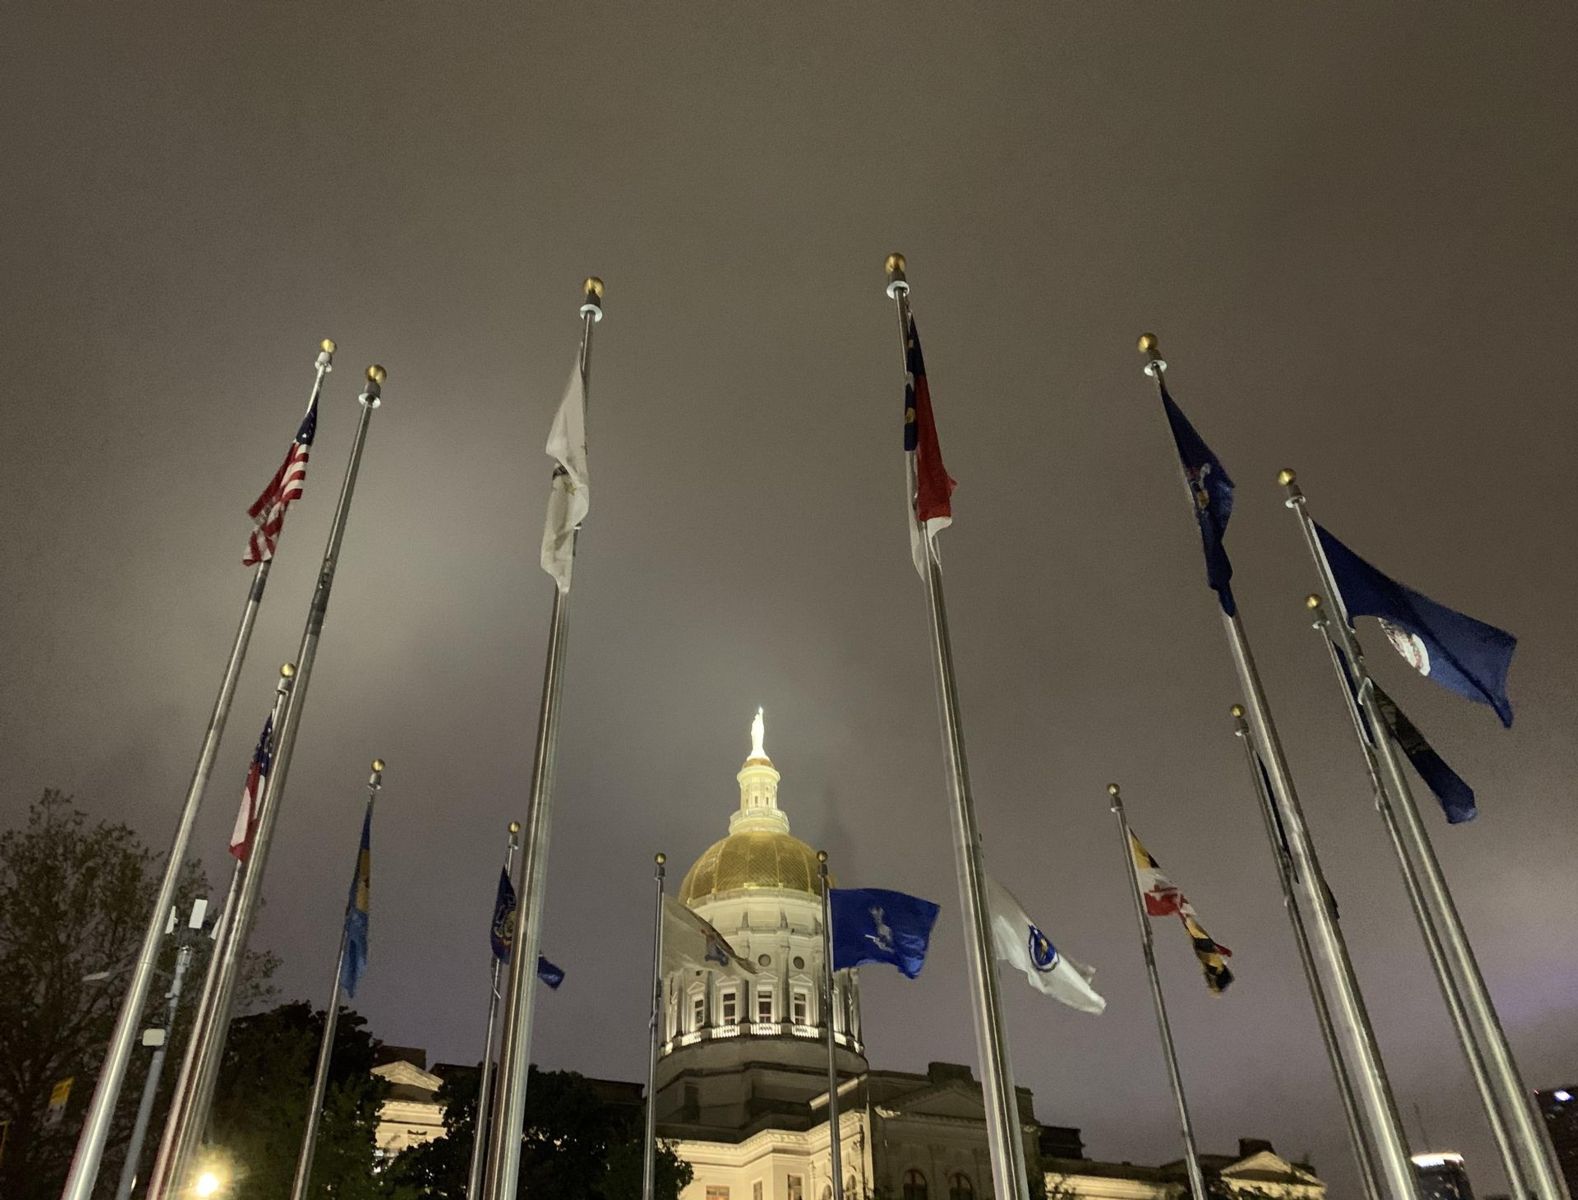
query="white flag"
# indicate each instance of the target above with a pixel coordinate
(690, 941)
(1020, 943)
(570, 498)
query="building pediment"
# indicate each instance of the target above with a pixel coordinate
(953, 1101)
(1267, 1167)
(401, 1073)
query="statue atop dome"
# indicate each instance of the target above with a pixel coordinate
(758, 732)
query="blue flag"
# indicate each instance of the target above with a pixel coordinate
(875, 925)
(1463, 655)
(1456, 797)
(502, 934)
(1211, 488)
(356, 910)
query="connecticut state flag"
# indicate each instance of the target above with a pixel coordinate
(874, 925)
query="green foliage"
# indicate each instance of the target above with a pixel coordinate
(576, 1146)
(260, 1107)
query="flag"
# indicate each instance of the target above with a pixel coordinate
(1456, 797)
(874, 925)
(1211, 488)
(690, 942)
(1284, 847)
(551, 975)
(1163, 899)
(570, 498)
(1463, 655)
(59, 1094)
(268, 510)
(932, 510)
(503, 931)
(1019, 942)
(356, 909)
(252, 793)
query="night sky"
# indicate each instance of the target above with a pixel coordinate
(1346, 226)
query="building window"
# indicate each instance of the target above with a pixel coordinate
(914, 1185)
(796, 1187)
(715, 1192)
(960, 1188)
(729, 1006)
(764, 1006)
(802, 1007)
(756, 1190)
(698, 1011)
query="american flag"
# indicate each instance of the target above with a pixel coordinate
(257, 775)
(268, 510)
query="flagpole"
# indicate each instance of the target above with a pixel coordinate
(1169, 1052)
(89, 1154)
(179, 1136)
(1473, 1012)
(997, 1081)
(479, 1133)
(835, 1148)
(1383, 1124)
(504, 1140)
(331, 1020)
(285, 730)
(1301, 940)
(649, 1144)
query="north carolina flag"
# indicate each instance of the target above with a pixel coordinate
(1163, 899)
(932, 510)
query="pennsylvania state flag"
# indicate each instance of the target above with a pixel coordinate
(1463, 655)
(356, 910)
(502, 935)
(1211, 489)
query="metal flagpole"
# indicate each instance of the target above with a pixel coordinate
(285, 730)
(1383, 1124)
(834, 1133)
(479, 1134)
(179, 1136)
(1169, 1052)
(997, 1081)
(1462, 984)
(101, 1109)
(1286, 878)
(504, 1140)
(331, 1020)
(649, 1144)
(150, 1086)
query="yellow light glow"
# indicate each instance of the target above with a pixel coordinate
(207, 1184)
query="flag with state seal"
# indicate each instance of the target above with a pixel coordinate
(1020, 942)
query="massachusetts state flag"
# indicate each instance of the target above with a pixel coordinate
(932, 511)
(1463, 655)
(874, 925)
(252, 794)
(1163, 899)
(1020, 943)
(570, 498)
(268, 510)
(1211, 489)
(356, 910)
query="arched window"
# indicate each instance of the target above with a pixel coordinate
(960, 1187)
(914, 1185)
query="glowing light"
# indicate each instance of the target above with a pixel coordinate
(1563, 1096)
(758, 732)
(207, 1184)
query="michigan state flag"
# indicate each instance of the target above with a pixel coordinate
(1211, 489)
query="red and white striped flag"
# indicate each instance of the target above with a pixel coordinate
(268, 510)
(252, 794)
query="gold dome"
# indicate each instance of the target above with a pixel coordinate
(752, 859)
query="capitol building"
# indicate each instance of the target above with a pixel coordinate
(741, 1088)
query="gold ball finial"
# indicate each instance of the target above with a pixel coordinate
(660, 858)
(327, 345)
(287, 670)
(821, 857)
(1237, 710)
(1286, 476)
(515, 826)
(895, 262)
(1312, 601)
(1112, 789)
(593, 286)
(377, 374)
(1147, 343)
(378, 764)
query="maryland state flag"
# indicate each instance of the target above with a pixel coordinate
(1163, 899)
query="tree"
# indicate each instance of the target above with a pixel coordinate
(74, 901)
(577, 1144)
(260, 1107)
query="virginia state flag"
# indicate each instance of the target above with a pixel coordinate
(1211, 488)
(1463, 655)
(874, 925)
(356, 910)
